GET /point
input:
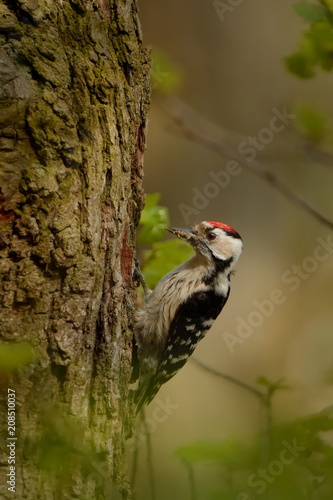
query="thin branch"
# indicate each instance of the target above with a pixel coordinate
(149, 458)
(193, 494)
(193, 126)
(229, 378)
(314, 153)
(266, 437)
(266, 405)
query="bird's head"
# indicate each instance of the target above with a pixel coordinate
(215, 241)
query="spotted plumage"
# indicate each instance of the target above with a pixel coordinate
(184, 305)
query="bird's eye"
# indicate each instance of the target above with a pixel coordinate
(211, 236)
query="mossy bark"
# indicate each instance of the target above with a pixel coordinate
(74, 94)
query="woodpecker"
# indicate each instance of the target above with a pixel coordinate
(184, 305)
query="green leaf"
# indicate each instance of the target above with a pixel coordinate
(262, 380)
(315, 49)
(165, 74)
(152, 199)
(154, 220)
(311, 12)
(162, 258)
(300, 65)
(321, 37)
(328, 4)
(271, 384)
(13, 355)
(310, 122)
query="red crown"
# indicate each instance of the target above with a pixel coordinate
(222, 226)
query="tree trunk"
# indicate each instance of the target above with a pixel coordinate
(74, 94)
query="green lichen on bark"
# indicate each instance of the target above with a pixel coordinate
(73, 103)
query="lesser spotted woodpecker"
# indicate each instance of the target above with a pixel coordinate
(184, 305)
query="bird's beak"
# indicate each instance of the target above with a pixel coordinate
(182, 233)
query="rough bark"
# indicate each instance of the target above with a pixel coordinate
(74, 95)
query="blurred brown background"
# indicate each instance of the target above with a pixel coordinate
(233, 75)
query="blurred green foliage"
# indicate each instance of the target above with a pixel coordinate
(165, 74)
(60, 451)
(154, 220)
(310, 122)
(15, 354)
(291, 460)
(316, 46)
(231, 453)
(311, 12)
(315, 50)
(272, 386)
(160, 257)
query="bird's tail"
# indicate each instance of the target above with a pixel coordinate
(145, 393)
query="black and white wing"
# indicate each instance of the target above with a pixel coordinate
(192, 320)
